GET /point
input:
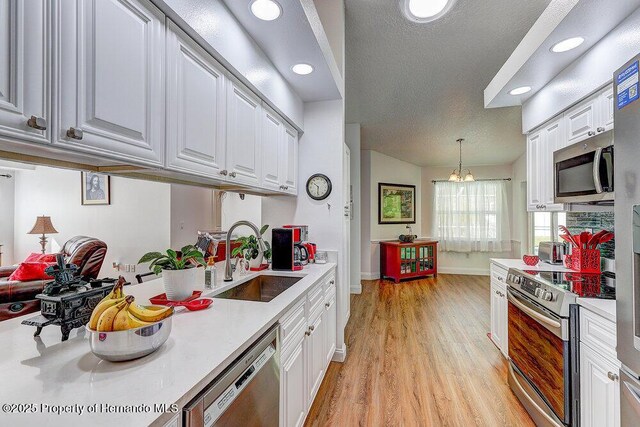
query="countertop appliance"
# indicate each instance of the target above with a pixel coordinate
(583, 172)
(286, 255)
(627, 219)
(247, 393)
(543, 340)
(551, 252)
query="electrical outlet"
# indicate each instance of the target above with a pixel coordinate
(116, 265)
(127, 268)
(133, 268)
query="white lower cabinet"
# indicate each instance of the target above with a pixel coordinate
(599, 390)
(499, 309)
(308, 342)
(599, 372)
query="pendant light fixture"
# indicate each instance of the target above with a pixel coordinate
(457, 174)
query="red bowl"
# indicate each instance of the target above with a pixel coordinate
(531, 259)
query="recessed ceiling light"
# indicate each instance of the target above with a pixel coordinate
(520, 90)
(426, 10)
(267, 10)
(302, 69)
(567, 44)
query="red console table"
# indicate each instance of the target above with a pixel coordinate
(408, 260)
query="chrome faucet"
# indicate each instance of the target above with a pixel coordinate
(228, 272)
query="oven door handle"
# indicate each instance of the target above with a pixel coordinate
(596, 170)
(536, 315)
(632, 394)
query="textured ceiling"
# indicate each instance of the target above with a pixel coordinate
(416, 88)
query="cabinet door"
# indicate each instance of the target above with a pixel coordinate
(289, 164)
(553, 138)
(272, 136)
(599, 390)
(330, 314)
(496, 307)
(534, 183)
(581, 121)
(24, 87)
(109, 90)
(195, 107)
(243, 135)
(503, 322)
(606, 110)
(315, 358)
(294, 394)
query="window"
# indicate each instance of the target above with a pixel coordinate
(544, 227)
(472, 216)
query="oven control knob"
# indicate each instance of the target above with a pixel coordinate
(537, 292)
(516, 280)
(547, 296)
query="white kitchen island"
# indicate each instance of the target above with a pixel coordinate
(50, 376)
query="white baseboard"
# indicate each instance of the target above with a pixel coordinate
(463, 270)
(340, 354)
(356, 289)
(369, 276)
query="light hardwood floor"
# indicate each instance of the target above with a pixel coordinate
(419, 355)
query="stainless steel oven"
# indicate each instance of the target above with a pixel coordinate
(247, 394)
(583, 172)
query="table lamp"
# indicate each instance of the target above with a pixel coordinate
(43, 226)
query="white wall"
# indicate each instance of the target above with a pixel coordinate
(379, 168)
(137, 221)
(588, 73)
(235, 209)
(192, 209)
(462, 263)
(7, 191)
(352, 139)
(520, 216)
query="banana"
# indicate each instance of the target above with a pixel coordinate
(101, 308)
(121, 321)
(150, 313)
(134, 322)
(105, 322)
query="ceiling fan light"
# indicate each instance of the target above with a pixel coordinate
(469, 177)
(454, 177)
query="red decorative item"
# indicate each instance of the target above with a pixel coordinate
(28, 271)
(531, 259)
(162, 300)
(262, 267)
(198, 304)
(568, 261)
(585, 260)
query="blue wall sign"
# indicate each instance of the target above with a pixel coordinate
(627, 85)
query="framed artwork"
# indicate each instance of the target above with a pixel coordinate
(396, 204)
(96, 189)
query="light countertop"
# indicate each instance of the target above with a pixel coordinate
(520, 265)
(604, 307)
(45, 371)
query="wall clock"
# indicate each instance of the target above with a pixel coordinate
(318, 186)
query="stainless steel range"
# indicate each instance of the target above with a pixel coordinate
(543, 340)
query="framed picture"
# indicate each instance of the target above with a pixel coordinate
(96, 189)
(396, 204)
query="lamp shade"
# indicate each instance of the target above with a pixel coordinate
(43, 225)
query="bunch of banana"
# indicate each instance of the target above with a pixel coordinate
(117, 312)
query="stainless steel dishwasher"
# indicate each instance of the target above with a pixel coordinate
(247, 393)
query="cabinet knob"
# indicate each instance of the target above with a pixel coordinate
(282, 187)
(75, 133)
(326, 304)
(311, 328)
(286, 187)
(37, 123)
(232, 174)
(500, 279)
(224, 172)
(307, 333)
(332, 282)
(591, 133)
(600, 129)
(612, 376)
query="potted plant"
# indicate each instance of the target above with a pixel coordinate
(178, 269)
(249, 249)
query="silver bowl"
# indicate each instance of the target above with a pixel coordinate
(119, 346)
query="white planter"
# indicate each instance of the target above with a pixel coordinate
(179, 284)
(256, 262)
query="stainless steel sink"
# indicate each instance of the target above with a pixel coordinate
(261, 288)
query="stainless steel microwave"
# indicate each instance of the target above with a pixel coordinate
(583, 172)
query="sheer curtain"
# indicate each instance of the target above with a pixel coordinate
(472, 216)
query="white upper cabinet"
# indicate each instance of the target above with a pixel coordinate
(196, 103)
(109, 86)
(534, 147)
(581, 120)
(289, 161)
(606, 110)
(244, 123)
(272, 136)
(24, 84)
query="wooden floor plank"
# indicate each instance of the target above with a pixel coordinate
(418, 355)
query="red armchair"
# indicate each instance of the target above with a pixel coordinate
(19, 298)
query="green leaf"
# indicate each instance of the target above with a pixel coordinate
(264, 228)
(172, 254)
(236, 251)
(157, 270)
(188, 248)
(149, 257)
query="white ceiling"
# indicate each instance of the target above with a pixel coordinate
(416, 88)
(289, 40)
